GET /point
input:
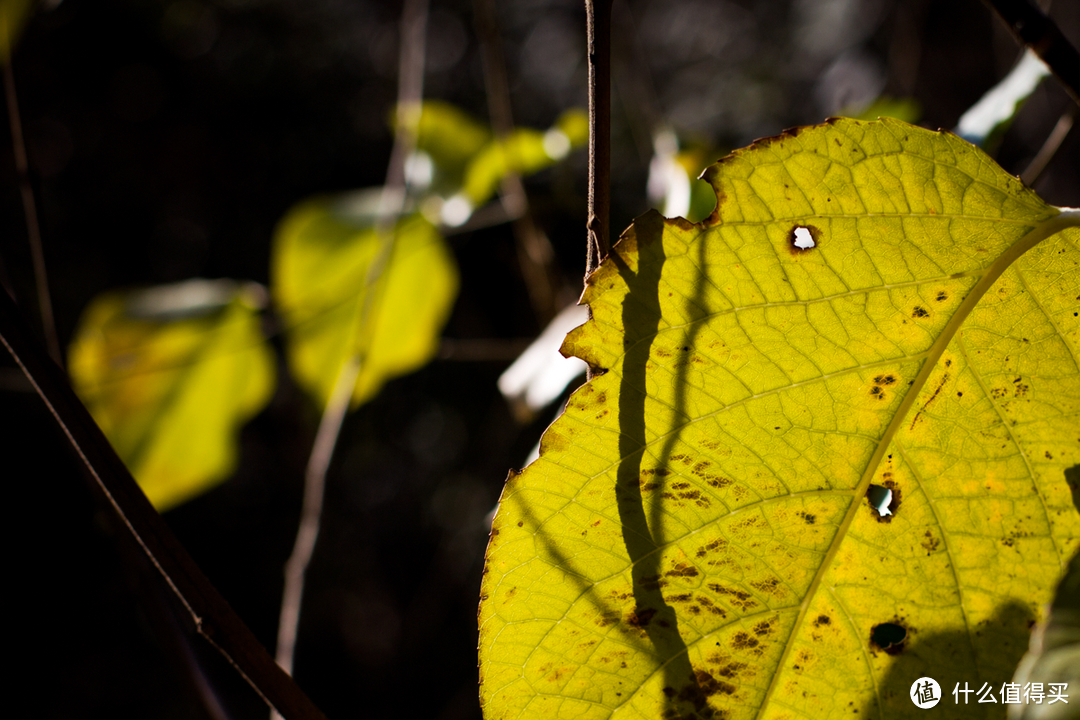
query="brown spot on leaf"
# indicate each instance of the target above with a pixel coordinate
(717, 544)
(822, 620)
(682, 570)
(743, 641)
(931, 543)
(739, 598)
(919, 312)
(770, 586)
(641, 617)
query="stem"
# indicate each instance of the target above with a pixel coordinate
(410, 90)
(33, 230)
(1050, 147)
(311, 512)
(599, 33)
(1034, 29)
(534, 251)
(209, 613)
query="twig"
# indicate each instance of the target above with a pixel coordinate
(1034, 29)
(1050, 147)
(33, 230)
(311, 512)
(210, 615)
(599, 34)
(410, 90)
(535, 254)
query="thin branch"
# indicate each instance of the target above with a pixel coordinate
(1050, 147)
(535, 254)
(210, 615)
(311, 512)
(599, 35)
(33, 230)
(410, 90)
(1034, 29)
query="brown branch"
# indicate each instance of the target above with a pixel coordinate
(211, 616)
(33, 229)
(599, 36)
(534, 251)
(1033, 28)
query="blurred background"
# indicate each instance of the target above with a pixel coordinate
(167, 139)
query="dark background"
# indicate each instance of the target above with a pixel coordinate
(166, 139)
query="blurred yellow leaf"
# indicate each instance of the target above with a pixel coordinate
(450, 136)
(320, 262)
(13, 17)
(873, 311)
(170, 374)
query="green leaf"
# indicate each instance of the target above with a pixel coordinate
(320, 261)
(695, 539)
(170, 374)
(907, 109)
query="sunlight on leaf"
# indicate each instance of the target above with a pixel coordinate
(170, 374)
(696, 539)
(320, 263)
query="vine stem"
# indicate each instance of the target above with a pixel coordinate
(33, 229)
(209, 614)
(598, 13)
(1033, 28)
(410, 90)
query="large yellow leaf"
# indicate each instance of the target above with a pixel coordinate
(695, 539)
(170, 374)
(322, 254)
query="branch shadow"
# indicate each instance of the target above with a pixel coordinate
(950, 659)
(686, 690)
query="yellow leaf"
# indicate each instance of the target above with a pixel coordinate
(170, 384)
(524, 151)
(320, 263)
(448, 135)
(871, 304)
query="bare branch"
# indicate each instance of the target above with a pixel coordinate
(210, 615)
(1034, 29)
(33, 229)
(599, 35)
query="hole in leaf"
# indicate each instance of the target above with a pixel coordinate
(880, 498)
(802, 238)
(889, 637)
